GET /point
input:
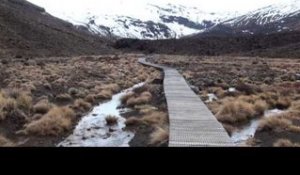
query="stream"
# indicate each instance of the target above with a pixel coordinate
(248, 131)
(92, 130)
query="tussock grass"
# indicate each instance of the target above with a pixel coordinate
(82, 105)
(275, 123)
(111, 120)
(111, 87)
(4, 142)
(133, 121)
(63, 97)
(104, 94)
(145, 109)
(42, 107)
(260, 107)
(236, 112)
(285, 143)
(283, 103)
(144, 98)
(7, 105)
(73, 91)
(57, 121)
(90, 98)
(155, 118)
(125, 97)
(295, 106)
(159, 136)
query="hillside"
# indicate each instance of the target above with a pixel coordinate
(26, 29)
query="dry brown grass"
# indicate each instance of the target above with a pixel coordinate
(104, 94)
(90, 98)
(68, 79)
(236, 112)
(111, 87)
(57, 121)
(111, 120)
(155, 118)
(144, 109)
(295, 106)
(218, 91)
(159, 136)
(270, 97)
(7, 105)
(229, 128)
(73, 91)
(260, 107)
(285, 143)
(82, 105)
(24, 102)
(275, 123)
(144, 98)
(42, 107)
(63, 97)
(133, 121)
(4, 142)
(125, 97)
(283, 103)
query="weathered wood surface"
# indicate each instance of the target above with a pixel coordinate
(191, 122)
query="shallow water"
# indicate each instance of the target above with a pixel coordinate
(248, 131)
(211, 98)
(232, 89)
(92, 130)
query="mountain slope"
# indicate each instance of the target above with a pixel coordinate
(139, 19)
(280, 17)
(26, 29)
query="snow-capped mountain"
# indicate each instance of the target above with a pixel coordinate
(142, 20)
(279, 17)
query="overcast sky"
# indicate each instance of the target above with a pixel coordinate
(205, 5)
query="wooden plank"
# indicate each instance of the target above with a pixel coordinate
(191, 123)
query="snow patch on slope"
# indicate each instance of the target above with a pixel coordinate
(136, 19)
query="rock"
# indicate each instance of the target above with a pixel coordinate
(268, 80)
(4, 61)
(18, 56)
(111, 130)
(157, 81)
(298, 76)
(195, 89)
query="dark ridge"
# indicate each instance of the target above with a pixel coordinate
(285, 44)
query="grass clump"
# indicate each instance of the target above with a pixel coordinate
(111, 120)
(57, 121)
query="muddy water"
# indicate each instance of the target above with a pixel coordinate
(92, 130)
(243, 134)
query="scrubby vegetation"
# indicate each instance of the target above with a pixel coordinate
(246, 87)
(57, 121)
(42, 99)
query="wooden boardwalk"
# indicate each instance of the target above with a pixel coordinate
(191, 122)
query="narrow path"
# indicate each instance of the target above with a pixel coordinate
(191, 122)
